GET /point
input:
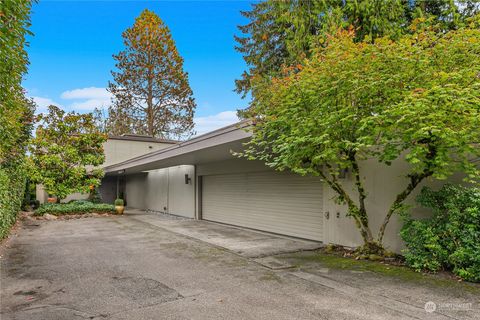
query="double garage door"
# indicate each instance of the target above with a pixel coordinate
(270, 201)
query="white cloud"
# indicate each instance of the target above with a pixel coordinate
(219, 120)
(86, 93)
(43, 103)
(88, 105)
(87, 99)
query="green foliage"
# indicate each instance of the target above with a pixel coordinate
(74, 207)
(95, 196)
(16, 112)
(66, 152)
(450, 239)
(29, 195)
(283, 33)
(119, 202)
(151, 93)
(12, 186)
(415, 99)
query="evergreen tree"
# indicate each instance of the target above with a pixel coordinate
(151, 93)
(283, 32)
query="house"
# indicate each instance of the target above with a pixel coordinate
(118, 149)
(201, 179)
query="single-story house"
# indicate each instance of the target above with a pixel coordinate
(118, 149)
(201, 179)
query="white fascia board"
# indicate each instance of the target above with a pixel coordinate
(235, 132)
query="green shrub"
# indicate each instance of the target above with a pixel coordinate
(119, 202)
(74, 207)
(450, 239)
(95, 196)
(12, 186)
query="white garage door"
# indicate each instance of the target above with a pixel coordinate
(270, 201)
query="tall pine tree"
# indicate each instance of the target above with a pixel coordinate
(151, 93)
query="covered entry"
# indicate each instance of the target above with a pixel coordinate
(270, 201)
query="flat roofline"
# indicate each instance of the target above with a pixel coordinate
(209, 136)
(142, 139)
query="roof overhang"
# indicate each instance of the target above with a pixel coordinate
(140, 138)
(210, 147)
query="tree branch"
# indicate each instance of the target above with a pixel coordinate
(353, 209)
(362, 195)
(415, 180)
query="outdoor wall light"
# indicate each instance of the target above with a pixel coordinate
(187, 179)
(121, 171)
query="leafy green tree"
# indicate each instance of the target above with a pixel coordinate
(16, 112)
(151, 93)
(283, 32)
(66, 152)
(449, 14)
(416, 99)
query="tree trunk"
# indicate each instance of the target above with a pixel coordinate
(415, 179)
(358, 213)
(150, 111)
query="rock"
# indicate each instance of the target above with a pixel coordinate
(374, 257)
(49, 216)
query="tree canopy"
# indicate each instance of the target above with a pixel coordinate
(416, 98)
(65, 153)
(151, 93)
(283, 33)
(16, 112)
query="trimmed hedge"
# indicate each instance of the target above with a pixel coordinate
(12, 187)
(450, 239)
(74, 207)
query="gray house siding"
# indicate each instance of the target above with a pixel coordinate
(163, 190)
(247, 193)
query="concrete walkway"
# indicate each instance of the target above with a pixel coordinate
(129, 268)
(248, 243)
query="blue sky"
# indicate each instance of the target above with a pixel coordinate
(71, 52)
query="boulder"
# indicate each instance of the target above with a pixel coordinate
(49, 216)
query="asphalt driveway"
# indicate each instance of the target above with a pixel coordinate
(154, 267)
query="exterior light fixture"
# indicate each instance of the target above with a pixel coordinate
(187, 179)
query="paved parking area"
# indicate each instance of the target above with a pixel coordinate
(247, 243)
(130, 268)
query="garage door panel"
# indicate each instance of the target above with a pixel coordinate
(271, 201)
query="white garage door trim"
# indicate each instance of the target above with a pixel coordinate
(276, 202)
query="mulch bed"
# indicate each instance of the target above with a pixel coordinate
(48, 217)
